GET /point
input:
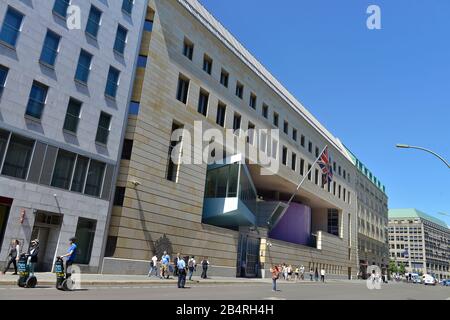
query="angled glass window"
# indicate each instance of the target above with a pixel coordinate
(72, 116)
(60, 7)
(36, 100)
(93, 23)
(83, 67)
(127, 6)
(203, 102)
(18, 156)
(104, 127)
(11, 27)
(62, 173)
(224, 76)
(183, 89)
(121, 40)
(3, 75)
(50, 48)
(112, 83)
(148, 25)
(79, 176)
(94, 180)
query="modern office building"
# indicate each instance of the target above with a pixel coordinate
(419, 241)
(194, 75)
(65, 79)
(373, 246)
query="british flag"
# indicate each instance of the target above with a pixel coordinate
(325, 164)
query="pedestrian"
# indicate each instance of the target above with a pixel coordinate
(285, 272)
(302, 272)
(322, 275)
(311, 273)
(153, 266)
(289, 272)
(297, 273)
(70, 255)
(175, 264)
(13, 256)
(165, 262)
(181, 272)
(192, 265)
(32, 255)
(275, 270)
(316, 275)
(205, 264)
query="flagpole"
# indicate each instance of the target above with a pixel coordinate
(306, 175)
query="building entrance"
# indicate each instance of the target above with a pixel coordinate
(248, 264)
(5, 206)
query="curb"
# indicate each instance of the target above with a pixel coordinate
(128, 283)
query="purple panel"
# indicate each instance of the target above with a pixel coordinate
(294, 226)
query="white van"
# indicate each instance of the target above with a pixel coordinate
(429, 280)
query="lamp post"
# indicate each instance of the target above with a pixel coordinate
(405, 146)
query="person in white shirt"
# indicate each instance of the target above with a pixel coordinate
(322, 275)
(14, 255)
(153, 266)
(192, 264)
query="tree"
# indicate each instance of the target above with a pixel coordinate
(402, 268)
(393, 267)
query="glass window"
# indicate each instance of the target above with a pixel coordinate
(251, 133)
(203, 102)
(224, 78)
(207, 64)
(252, 102)
(127, 6)
(93, 23)
(294, 134)
(286, 127)
(172, 167)
(239, 90)
(112, 82)
(36, 101)
(79, 176)
(265, 111)
(148, 25)
(221, 110)
(4, 136)
(104, 127)
(183, 89)
(63, 169)
(294, 162)
(94, 179)
(142, 61)
(11, 27)
(237, 122)
(121, 39)
(333, 222)
(18, 157)
(275, 119)
(60, 7)
(127, 149)
(188, 49)
(50, 49)
(119, 196)
(134, 108)
(85, 236)
(72, 115)
(3, 75)
(84, 66)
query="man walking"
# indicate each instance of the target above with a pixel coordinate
(14, 254)
(70, 255)
(322, 275)
(165, 261)
(191, 265)
(181, 267)
(205, 264)
(175, 263)
(153, 266)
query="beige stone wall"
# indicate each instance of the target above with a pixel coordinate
(159, 207)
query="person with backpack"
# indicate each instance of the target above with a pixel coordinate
(165, 262)
(275, 271)
(181, 271)
(14, 254)
(205, 264)
(192, 266)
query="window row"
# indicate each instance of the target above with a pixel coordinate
(183, 86)
(30, 160)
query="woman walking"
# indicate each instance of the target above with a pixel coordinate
(275, 274)
(14, 254)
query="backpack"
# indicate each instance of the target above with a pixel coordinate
(191, 263)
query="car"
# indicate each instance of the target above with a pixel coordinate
(446, 282)
(429, 280)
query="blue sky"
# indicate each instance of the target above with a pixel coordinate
(370, 88)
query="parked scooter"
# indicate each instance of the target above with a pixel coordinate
(25, 280)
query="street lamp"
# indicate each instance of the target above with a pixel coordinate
(405, 146)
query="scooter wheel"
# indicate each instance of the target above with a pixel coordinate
(68, 284)
(31, 282)
(20, 283)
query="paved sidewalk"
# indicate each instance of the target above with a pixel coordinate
(101, 279)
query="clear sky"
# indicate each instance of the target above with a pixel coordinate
(370, 88)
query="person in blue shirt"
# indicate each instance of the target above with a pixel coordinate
(181, 264)
(165, 261)
(70, 255)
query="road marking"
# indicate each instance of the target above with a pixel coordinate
(274, 298)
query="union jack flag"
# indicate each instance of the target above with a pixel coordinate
(325, 164)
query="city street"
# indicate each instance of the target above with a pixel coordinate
(258, 291)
